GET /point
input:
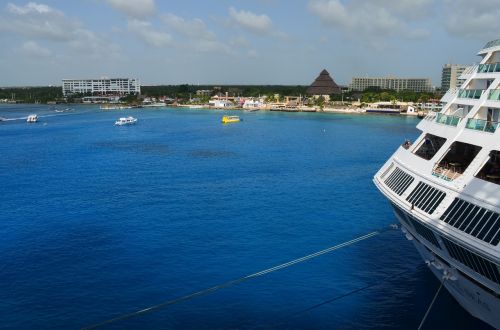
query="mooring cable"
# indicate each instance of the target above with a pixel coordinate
(241, 279)
(430, 306)
(387, 278)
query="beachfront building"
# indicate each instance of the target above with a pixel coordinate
(220, 101)
(450, 76)
(324, 86)
(397, 84)
(101, 99)
(102, 86)
(223, 103)
(253, 103)
(203, 92)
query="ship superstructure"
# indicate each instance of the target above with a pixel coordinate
(445, 188)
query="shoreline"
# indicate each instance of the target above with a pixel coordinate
(330, 110)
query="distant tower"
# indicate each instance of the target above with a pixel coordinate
(449, 76)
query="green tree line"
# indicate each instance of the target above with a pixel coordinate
(185, 91)
(31, 94)
(45, 94)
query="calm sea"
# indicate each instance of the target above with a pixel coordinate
(98, 220)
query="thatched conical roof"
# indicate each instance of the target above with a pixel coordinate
(323, 85)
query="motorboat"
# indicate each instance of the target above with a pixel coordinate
(32, 118)
(230, 119)
(126, 121)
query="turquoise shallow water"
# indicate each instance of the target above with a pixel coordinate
(98, 220)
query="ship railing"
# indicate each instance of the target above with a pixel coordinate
(449, 94)
(494, 95)
(470, 93)
(490, 44)
(448, 119)
(488, 67)
(482, 125)
(445, 171)
(431, 115)
(468, 71)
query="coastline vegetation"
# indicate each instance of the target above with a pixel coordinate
(53, 94)
(31, 94)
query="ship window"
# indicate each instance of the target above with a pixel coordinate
(401, 214)
(456, 160)
(398, 181)
(475, 262)
(429, 146)
(424, 231)
(425, 197)
(491, 170)
(473, 220)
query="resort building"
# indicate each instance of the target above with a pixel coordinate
(203, 92)
(450, 75)
(253, 103)
(103, 86)
(397, 84)
(323, 86)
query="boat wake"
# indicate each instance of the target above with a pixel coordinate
(41, 116)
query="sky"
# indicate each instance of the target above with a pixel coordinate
(239, 41)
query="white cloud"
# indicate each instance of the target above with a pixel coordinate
(407, 9)
(479, 19)
(134, 8)
(89, 44)
(254, 23)
(324, 40)
(209, 46)
(240, 42)
(145, 31)
(42, 22)
(37, 21)
(376, 19)
(195, 35)
(194, 28)
(31, 7)
(33, 49)
(252, 53)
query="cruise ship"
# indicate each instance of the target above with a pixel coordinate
(445, 188)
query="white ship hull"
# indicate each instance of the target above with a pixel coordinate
(473, 297)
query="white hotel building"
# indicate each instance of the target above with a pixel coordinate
(103, 86)
(397, 84)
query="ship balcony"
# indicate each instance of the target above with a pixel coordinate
(446, 172)
(470, 93)
(482, 125)
(468, 72)
(431, 115)
(448, 119)
(494, 95)
(456, 161)
(449, 95)
(491, 169)
(488, 67)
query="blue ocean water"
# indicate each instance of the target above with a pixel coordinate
(98, 220)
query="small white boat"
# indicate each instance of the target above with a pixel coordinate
(154, 105)
(32, 118)
(126, 121)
